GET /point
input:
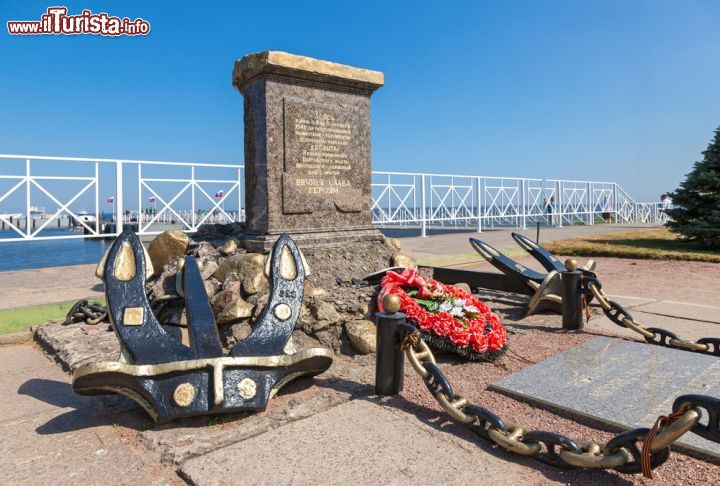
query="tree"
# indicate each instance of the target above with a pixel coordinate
(697, 201)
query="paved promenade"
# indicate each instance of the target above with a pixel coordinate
(22, 288)
(448, 243)
(335, 431)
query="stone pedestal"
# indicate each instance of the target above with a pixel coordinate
(307, 150)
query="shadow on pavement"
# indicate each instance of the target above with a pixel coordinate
(87, 411)
(437, 420)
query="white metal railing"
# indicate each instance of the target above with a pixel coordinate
(441, 200)
(651, 213)
(186, 200)
(28, 188)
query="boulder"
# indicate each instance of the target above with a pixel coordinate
(240, 331)
(399, 260)
(165, 283)
(319, 326)
(311, 291)
(211, 286)
(393, 243)
(209, 267)
(362, 336)
(330, 338)
(229, 247)
(324, 311)
(166, 247)
(249, 269)
(464, 286)
(229, 294)
(206, 250)
(260, 302)
(234, 311)
(173, 316)
(301, 341)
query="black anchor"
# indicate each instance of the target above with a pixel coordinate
(171, 380)
(528, 278)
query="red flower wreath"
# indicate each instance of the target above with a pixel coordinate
(445, 311)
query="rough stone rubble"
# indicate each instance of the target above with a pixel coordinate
(338, 306)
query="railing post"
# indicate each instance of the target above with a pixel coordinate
(615, 202)
(523, 203)
(559, 204)
(241, 198)
(139, 213)
(27, 198)
(118, 197)
(423, 229)
(590, 207)
(479, 205)
(192, 197)
(97, 199)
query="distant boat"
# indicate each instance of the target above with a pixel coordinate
(38, 213)
(86, 217)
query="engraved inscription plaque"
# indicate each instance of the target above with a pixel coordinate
(323, 155)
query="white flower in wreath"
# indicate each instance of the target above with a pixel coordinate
(457, 311)
(459, 302)
(471, 309)
(445, 307)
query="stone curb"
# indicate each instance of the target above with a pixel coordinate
(19, 337)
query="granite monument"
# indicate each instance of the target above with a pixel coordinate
(307, 150)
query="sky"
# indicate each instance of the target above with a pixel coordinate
(604, 90)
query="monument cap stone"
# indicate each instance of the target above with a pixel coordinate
(307, 150)
(279, 62)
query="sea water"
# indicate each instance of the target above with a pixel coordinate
(21, 255)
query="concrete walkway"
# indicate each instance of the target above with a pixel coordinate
(448, 242)
(50, 435)
(22, 288)
(334, 432)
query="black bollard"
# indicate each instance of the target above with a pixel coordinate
(389, 358)
(572, 315)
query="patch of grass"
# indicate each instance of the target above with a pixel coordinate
(13, 320)
(656, 244)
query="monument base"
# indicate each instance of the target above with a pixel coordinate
(263, 243)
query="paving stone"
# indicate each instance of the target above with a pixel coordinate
(305, 397)
(621, 383)
(52, 436)
(694, 312)
(355, 443)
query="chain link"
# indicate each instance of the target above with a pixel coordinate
(654, 335)
(621, 453)
(91, 313)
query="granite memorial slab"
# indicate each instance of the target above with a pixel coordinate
(307, 149)
(621, 383)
